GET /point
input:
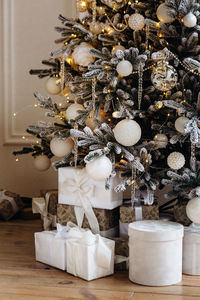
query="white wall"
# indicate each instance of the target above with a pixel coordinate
(26, 37)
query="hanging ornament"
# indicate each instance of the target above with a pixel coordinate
(99, 168)
(176, 160)
(53, 86)
(161, 140)
(124, 68)
(117, 47)
(72, 111)
(60, 147)
(115, 4)
(136, 22)
(190, 20)
(180, 124)
(165, 13)
(127, 132)
(82, 55)
(96, 28)
(193, 210)
(164, 77)
(92, 122)
(82, 5)
(42, 162)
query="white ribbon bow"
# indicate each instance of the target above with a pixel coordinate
(40, 205)
(83, 191)
(3, 197)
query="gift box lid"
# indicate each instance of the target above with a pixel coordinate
(158, 230)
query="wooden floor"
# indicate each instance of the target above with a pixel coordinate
(21, 278)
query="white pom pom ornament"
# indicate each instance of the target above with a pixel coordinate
(42, 162)
(136, 21)
(164, 13)
(193, 210)
(190, 20)
(176, 160)
(180, 124)
(60, 147)
(127, 132)
(99, 168)
(161, 140)
(53, 86)
(82, 55)
(124, 68)
(72, 111)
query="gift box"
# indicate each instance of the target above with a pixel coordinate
(27, 214)
(129, 214)
(50, 250)
(90, 256)
(76, 188)
(10, 204)
(40, 205)
(121, 253)
(180, 213)
(108, 220)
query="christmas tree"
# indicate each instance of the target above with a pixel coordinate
(129, 72)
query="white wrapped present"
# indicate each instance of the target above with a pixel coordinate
(75, 187)
(90, 256)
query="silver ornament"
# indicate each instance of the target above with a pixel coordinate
(164, 77)
(115, 4)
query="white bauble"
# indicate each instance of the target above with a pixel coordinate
(124, 68)
(72, 111)
(53, 86)
(99, 168)
(190, 20)
(127, 132)
(161, 140)
(91, 121)
(82, 55)
(193, 210)
(136, 21)
(176, 160)
(163, 13)
(180, 124)
(60, 147)
(117, 47)
(42, 162)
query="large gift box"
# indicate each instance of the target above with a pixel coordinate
(10, 204)
(108, 220)
(76, 188)
(50, 250)
(129, 214)
(90, 256)
(41, 205)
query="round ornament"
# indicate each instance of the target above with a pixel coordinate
(161, 140)
(99, 168)
(193, 210)
(91, 121)
(82, 55)
(176, 160)
(124, 68)
(190, 20)
(60, 147)
(127, 132)
(72, 111)
(164, 77)
(164, 13)
(117, 47)
(115, 4)
(180, 124)
(95, 28)
(136, 22)
(42, 162)
(53, 86)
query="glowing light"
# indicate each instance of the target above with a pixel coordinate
(35, 105)
(109, 120)
(14, 115)
(23, 137)
(133, 181)
(17, 159)
(83, 4)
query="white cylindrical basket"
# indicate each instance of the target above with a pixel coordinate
(191, 252)
(155, 252)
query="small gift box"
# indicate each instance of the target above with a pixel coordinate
(180, 213)
(10, 204)
(40, 205)
(90, 256)
(50, 250)
(76, 188)
(108, 220)
(121, 253)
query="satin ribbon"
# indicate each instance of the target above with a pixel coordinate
(83, 191)
(40, 205)
(141, 196)
(120, 259)
(3, 197)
